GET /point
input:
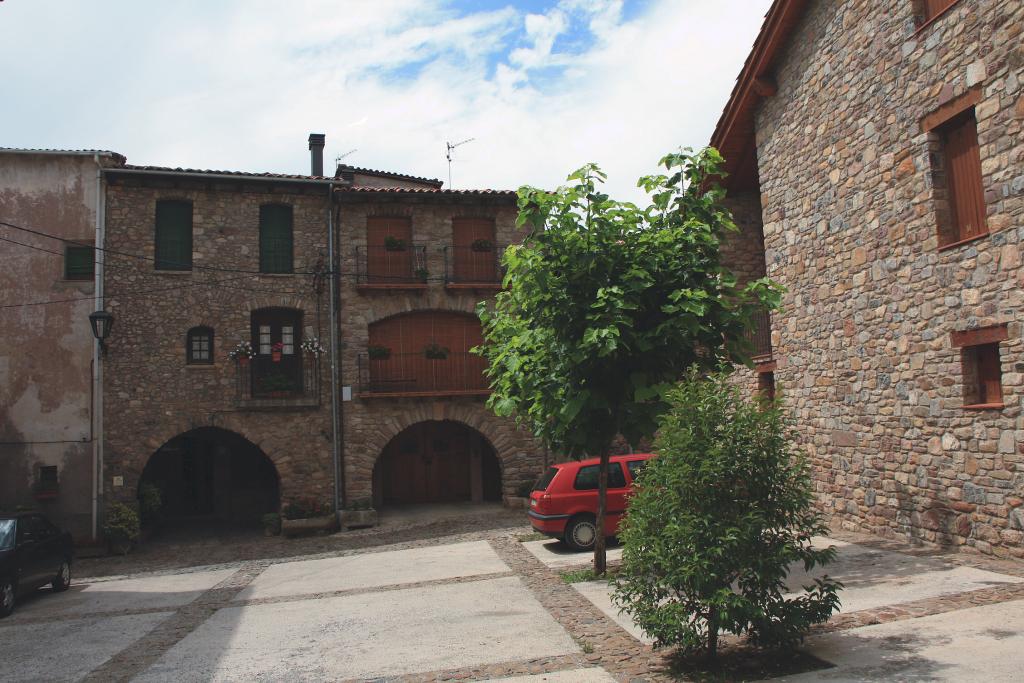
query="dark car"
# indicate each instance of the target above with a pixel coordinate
(33, 553)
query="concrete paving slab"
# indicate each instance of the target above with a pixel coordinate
(976, 644)
(557, 555)
(875, 578)
(572, 676)
(155, 592)
(373, 634)
(67, 650)
(600, 593)
(369, 570)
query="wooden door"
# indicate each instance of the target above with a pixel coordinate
(389, 264)
(473, 263)
(276, 339)
(428, 463)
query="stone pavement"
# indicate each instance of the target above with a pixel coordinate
(481, 606)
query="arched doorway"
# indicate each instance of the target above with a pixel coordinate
(437, 462)
(213, 474)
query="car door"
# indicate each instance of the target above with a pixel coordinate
(26, 556)
(584, 493)
(49, 553)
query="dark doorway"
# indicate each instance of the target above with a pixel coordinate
(437, 462)
(277, 341)
(213, 474)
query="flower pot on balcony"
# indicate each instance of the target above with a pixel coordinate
(275, 356)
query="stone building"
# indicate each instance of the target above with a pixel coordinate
(201, 263)
(876, 161)
(47, 402)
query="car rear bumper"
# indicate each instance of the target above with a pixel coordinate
(552, 525)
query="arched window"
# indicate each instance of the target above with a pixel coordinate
(199, 346)
(276, 238)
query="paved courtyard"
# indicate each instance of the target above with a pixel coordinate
(484, 606)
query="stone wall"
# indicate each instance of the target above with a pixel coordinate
(370, 423)
(152, 395)
(864, 355)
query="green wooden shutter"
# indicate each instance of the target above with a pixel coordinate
(276, 238)
(79, 263)
(173, 235)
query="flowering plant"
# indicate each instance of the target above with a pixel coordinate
(311, 345)
(242, 350)
(277, 347)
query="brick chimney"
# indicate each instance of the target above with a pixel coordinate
(316, 153)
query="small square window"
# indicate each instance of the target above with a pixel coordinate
(982, 375)
(766, 385)
(48, 478)
(199, 346)
(79, 263)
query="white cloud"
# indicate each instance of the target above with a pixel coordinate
(239, 85)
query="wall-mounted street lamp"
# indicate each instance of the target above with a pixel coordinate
(101, 322)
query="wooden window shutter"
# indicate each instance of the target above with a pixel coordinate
(389, 265)
(276, 239)
(990, 376)
(471, 264)
(934, 8)
(173, 235)
(79, 263)
(963, 176)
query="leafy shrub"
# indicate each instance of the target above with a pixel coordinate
(360, 504)
(121, 526)
(306, 509)
(271, 523)
(150, 503)
(715, 523)
(378, 352)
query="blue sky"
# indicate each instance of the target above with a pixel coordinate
(542, 86)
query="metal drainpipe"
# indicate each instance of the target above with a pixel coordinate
(335, 404)
(97, 357)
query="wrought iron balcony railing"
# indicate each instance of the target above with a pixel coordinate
(404, 265)
(760, 335)
(414, 374)
(292, 382)
(475, 265)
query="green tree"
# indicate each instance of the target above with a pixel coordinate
(717, 520)
(606, 304)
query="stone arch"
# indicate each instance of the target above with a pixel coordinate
(441, 302)
(467, 468)
(211, 473)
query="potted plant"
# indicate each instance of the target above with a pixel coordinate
(434, 351)
(421, 274)
(359, 514)
(121, 527)
(378, 352)
(392, 243)
(482, 245)
(311, 347)
(271, 524)
(275, 351)
(241, 353)
(308, 515)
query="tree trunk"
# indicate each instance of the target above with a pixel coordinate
(600, 561)
(713, 633)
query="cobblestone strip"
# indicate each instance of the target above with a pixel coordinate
(144, 652)
(614, 649)
(923, 608)
(370, 589)
(544, 665)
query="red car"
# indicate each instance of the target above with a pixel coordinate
(563, 503)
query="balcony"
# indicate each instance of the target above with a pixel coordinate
(261, 384)
(382, 267)
(414, 374)
(473, 267)
(760, 336)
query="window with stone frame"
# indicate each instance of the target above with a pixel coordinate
(276, 239)
(173, 242)
(766, 384)
(199, 346)
(981, 365)
(955, 156)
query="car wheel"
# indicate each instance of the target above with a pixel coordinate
(62, 581)
(581, 532)
(6, 597)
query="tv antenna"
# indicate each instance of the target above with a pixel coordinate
(448, 156)
(337, 159)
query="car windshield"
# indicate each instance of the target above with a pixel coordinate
(6, 534)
